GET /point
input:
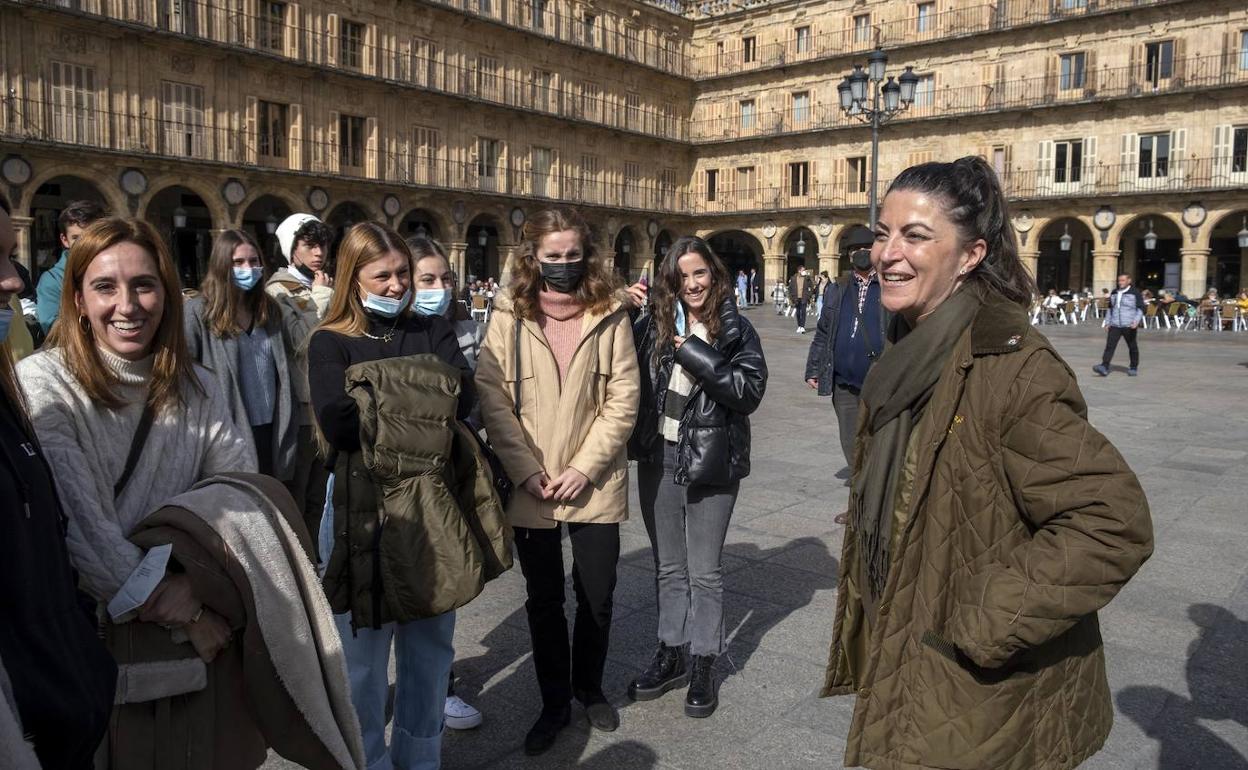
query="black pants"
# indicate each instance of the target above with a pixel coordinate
(262, 436)
(595, 551)
(801, 314)
(1111, 343)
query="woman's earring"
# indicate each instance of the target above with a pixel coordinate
(85, 324)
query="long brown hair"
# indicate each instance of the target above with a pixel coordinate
(365, 243)
(667, 291)
(8, 380)
(172, 369)
(423, 246)
(223, 298)
(596, 289)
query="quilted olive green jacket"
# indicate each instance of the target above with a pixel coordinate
(1021, 523)
(418, 527)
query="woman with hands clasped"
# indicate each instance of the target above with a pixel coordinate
(558, 386)
(702, 375)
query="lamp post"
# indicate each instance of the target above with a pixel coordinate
(897, 94)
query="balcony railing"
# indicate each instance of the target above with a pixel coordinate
(319, 47)
(1094, 181)
(1098, 84)
(897, 32)
(34, 121)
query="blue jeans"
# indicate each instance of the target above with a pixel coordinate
(423, 655)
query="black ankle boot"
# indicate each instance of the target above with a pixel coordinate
(668, 670)
(544, 731)
(703, 695)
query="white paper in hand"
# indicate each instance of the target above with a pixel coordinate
(140, 584)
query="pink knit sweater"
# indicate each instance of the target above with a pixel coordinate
(561, 319)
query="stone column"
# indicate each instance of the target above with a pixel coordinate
(505, 256)
(773, 270)
(459, 261)
(1243, 269)
(1104, 270)
(21, 225)
(828, 261)
(1195, 273)
(1030, 259)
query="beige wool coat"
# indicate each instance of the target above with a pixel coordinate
(585, 424)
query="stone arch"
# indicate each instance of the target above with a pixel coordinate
(342, 216)
(209, 196)
(436, 224)
(484, 256)
(44, 209)
(739, 250)
(1227, 258)
(800, 249)
(109, 193)
(292, 202)
(499, 218)
(1156, 269)
(1063, 269)
(626, 247)
(260, 217)
(190, 241)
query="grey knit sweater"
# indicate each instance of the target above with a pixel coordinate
(86, 444)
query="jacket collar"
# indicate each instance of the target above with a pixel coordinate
(729, 325)
(503, 302)
(999, 327)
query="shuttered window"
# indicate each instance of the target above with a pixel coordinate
(182, 119)
(72, 100)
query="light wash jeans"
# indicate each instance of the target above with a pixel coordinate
(423, 655)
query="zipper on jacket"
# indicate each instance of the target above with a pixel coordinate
(376, 592)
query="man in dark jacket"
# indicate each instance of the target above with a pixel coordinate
(801, 288)
(1126, 312)
(848, 338)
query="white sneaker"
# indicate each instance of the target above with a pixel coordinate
(460, 715)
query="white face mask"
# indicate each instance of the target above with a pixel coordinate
(386, 307)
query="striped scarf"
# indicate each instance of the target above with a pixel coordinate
(679, 385)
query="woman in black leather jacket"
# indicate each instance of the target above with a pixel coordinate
(702, 374)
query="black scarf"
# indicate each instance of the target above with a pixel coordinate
(894, 395)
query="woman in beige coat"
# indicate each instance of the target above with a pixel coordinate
(575, 379)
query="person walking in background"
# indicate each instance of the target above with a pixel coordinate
(370, 319)
(820, 287)
(801, 287)
(559, 409)
(303, 290)
(989, 520)
(755, 290)
(1126, 311)
(56, 677)
(234, 329)
(743, 290)
(702, 375)
(75, 218)
(848, 339)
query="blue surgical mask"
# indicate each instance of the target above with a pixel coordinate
(432, 301)
(385, 306)
(6, 318)
(246, 278)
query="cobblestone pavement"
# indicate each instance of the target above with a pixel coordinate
(1176, 638)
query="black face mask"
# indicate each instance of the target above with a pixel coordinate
(305, 271)
(861, 259)
(563, 277)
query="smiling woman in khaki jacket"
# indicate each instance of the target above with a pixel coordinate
(578, 382)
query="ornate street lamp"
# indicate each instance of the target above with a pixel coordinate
(897, 95)
(1150, 237)
(483, 238)
(270, 224)
(800, 248)
(1243, 235)
(1066, 240)
(179, 218)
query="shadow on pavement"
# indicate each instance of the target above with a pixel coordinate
(1218, 682)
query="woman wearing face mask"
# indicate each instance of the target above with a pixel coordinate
(116, 366)
(235, 330)
(989, 521)
(371, 318)
(703, 374)
(563, 444)
(435, 295)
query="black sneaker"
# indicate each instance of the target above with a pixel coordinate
(601, 714)
(703, 695)
(668, 670)
(544, 731)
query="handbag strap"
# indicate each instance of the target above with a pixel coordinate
(515, 396)
(136, 448)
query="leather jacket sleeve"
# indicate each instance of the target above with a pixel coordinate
(738, 382)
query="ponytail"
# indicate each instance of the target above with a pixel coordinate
(976, 204)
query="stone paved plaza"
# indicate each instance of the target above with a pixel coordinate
(1176, 638)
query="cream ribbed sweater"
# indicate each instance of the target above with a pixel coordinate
(86, 445)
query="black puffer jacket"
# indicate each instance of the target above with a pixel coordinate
(730, 377)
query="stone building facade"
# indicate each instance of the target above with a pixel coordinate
(1107, 120)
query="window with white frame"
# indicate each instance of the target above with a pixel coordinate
(272, 125)
(350, 44)
(712, 184)
(856, 174)
(487, 77)
(271, 25)
(541, 161)
(425, 65)
(1239, 149)
(1154, 158)
(542, 90)
(862, 28)
(632, 111)
(1068, 161)
(801, 108)
(426, 147)
(799, 179)
(747, 114)
(589, 30)
(1158, 61)
(749, 49)
(926, 20)
(589, 178)
(591, 101)
(632, 183)
(803, 39)
(745, 183)
(182, 118)
(631, 41)
(489, 152)
(1243, 50)
(351, 140)
(925, 91)
(72, 100)
(1073, 74)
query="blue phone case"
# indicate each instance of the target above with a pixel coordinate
(680, 318)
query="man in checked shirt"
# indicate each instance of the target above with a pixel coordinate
(848, 338)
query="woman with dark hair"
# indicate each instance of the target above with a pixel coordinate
(234, 329)
(56, 678)
(702, 375)
(558, 380)
(989, 521)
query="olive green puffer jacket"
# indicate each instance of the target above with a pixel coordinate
(418, 527)
(1017, 523)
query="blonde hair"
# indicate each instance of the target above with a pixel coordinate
(172, 369)
(365, 243)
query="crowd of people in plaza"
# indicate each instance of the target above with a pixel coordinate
(226, 512)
